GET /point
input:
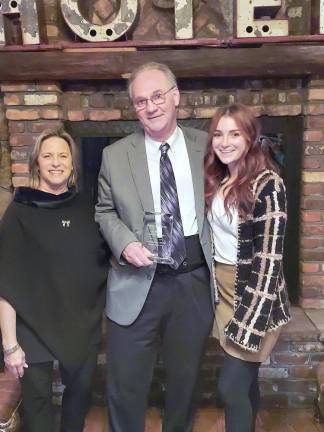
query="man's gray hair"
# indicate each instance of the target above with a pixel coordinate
(152, 66)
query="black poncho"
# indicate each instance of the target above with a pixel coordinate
(53, 268)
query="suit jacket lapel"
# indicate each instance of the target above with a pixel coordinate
(196, 152)
(139, 168)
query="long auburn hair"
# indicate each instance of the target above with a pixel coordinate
(238, 194)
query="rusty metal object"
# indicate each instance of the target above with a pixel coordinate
(169, 4)
(95, 32)
(265, 26)
(321, 17)
(183, 17)
(164, 4)
(29, 19)
(102, 11)
(299, 14)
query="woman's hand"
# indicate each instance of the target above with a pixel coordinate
(15, 362)
(14, 356)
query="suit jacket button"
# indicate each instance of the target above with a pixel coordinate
(149, 277)
(184, 263)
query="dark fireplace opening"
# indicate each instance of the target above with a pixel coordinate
(91, 161)
(93, 137)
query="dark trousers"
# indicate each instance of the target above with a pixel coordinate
(177, 314)
(238, 386)
(37, 396)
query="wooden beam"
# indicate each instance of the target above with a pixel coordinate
(184, 43)
(266, 60)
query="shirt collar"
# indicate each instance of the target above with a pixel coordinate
(154, 145)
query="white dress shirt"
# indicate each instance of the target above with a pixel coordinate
(178, 156)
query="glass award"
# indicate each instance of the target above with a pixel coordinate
(157, 236)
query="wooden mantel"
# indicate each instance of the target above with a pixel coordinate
(97, 62)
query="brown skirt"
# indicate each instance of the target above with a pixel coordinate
(225, 278)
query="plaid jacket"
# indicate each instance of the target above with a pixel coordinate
(260, 296)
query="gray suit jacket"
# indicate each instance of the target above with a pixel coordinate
(124, 194)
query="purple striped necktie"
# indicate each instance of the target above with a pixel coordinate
(170, 205)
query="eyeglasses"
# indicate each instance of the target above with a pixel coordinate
(157, 98)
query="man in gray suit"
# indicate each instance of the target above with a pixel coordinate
(151, 304)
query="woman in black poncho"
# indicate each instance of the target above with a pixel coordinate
(53, 271)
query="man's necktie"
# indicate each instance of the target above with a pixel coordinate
(170, 205)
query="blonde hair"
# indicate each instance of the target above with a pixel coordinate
(152, 66)
(33, 158)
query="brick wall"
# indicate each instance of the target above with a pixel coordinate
(30, 108)
(5, 171)
(312, 241)
(289, 376)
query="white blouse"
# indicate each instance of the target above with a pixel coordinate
(224, 232)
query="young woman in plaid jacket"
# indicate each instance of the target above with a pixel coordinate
(247, 212)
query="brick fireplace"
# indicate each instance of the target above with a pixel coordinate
(103, 109)
(91, 108)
